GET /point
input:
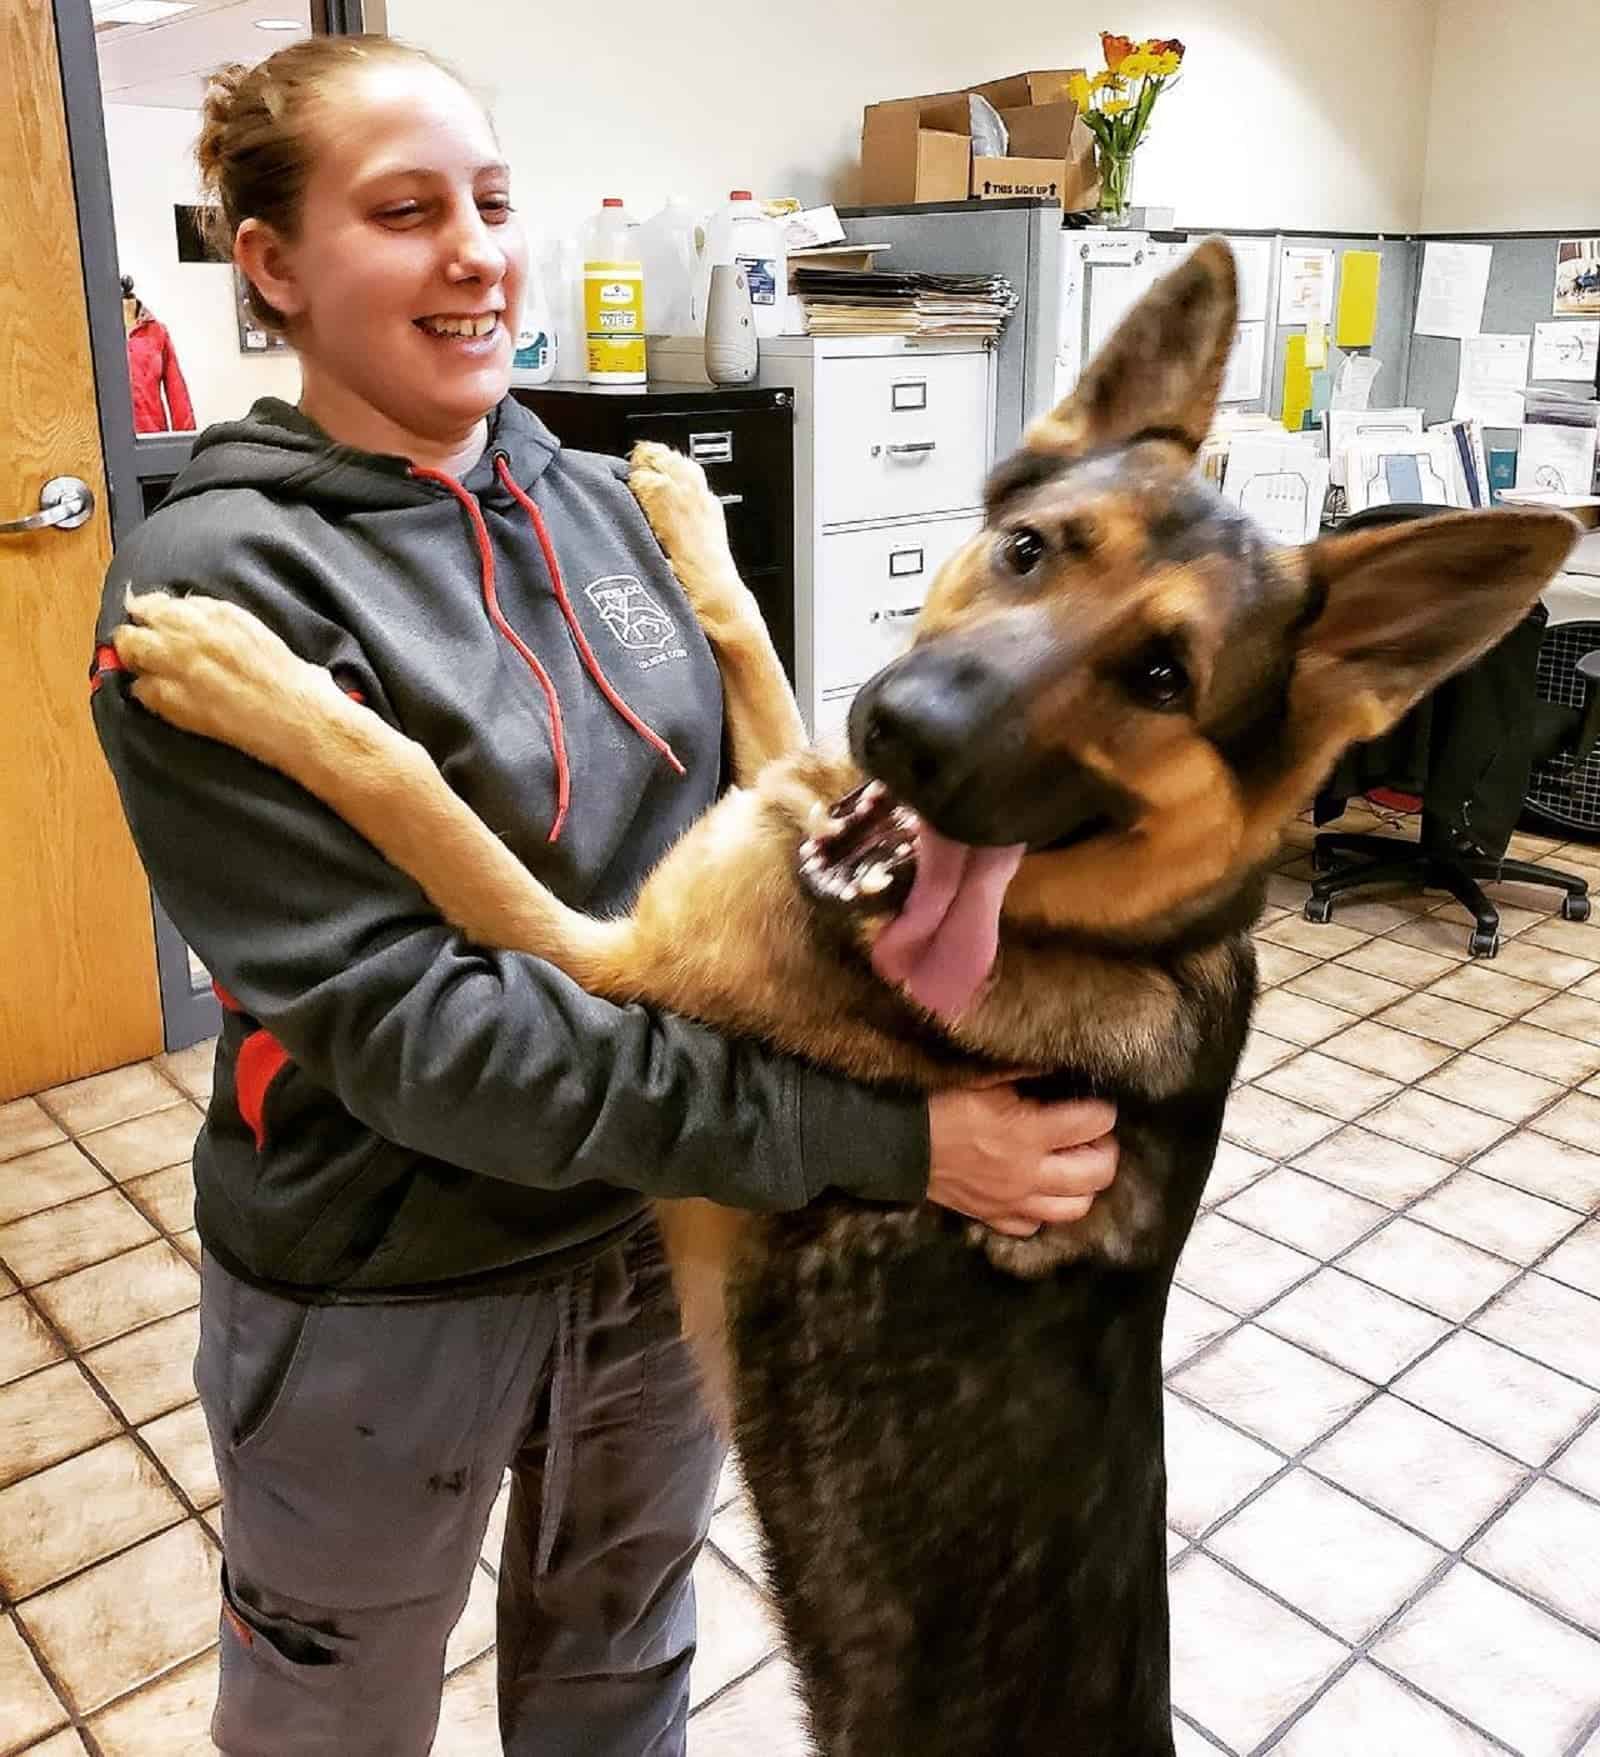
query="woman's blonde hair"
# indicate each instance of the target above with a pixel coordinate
(258, 139)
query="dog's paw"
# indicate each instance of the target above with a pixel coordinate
(677, 500)
(212, 668)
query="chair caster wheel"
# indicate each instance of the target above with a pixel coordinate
(1575, 909)
(1484, 945)
(1319, 909)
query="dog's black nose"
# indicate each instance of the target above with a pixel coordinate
(917, 723)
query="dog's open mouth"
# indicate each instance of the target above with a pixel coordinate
(872, 854)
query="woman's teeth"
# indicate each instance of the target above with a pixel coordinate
(460, 326)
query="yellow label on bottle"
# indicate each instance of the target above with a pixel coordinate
(617, 357)
(613, 319)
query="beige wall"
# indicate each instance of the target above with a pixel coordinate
(1512, 135)
(152, 168)
(1291, 113)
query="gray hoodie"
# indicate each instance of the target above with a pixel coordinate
(396, 1110)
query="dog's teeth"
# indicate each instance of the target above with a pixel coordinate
(874, 880)
(873, 793)
(901, 850)
(817, 817)
(849, 892)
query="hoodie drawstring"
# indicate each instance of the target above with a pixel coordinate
(585, 652)
(491, 602)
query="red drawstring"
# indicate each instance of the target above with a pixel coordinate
(530, 659)
(590, 663)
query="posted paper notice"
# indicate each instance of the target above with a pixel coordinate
(1455, 281)
(1566, 350)
(1494, 370)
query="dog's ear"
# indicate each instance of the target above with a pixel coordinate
(1391, 612)
(1162, 368)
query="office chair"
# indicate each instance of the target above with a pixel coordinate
(1447, 856)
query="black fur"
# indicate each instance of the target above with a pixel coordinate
(1011, 1600)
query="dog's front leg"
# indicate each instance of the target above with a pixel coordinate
(763, 721)
(214, 669)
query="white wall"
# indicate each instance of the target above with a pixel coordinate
(1290, 113)
(152, 168)
(1511, 139)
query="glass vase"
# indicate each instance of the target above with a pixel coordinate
(1116, 178)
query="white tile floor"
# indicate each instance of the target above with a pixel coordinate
(1383, 1358)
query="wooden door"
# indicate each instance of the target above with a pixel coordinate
(78, 988)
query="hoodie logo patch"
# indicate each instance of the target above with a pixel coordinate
(635, 618)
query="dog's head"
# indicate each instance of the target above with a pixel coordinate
(1120, 692)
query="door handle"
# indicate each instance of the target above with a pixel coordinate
(731, 499)
(64, 504)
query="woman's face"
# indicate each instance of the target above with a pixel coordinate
(403, 285)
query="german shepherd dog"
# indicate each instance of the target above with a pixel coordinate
(1044, 851)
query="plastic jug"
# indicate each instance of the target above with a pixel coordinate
(613, 297)
(670, 244)
(741, 233)
(534, 361)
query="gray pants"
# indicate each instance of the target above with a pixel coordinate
(360, 1448)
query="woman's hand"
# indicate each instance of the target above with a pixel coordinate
(1014, 1163)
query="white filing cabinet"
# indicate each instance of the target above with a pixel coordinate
(893, 440)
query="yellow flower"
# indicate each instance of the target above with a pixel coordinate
(1137, 65)
(1115, 106)
(1105, 80)
(1079, 90)
(1168, 64)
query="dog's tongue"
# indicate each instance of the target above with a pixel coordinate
(942, 945)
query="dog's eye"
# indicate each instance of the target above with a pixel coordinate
(1022, 550)
(1157, 677)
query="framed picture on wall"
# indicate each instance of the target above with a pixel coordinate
(253, 339)
(1577, 278)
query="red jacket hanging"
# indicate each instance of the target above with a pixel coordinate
(152, 368)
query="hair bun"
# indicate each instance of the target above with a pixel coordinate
(216, 113)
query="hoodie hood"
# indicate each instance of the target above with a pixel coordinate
(281, 452)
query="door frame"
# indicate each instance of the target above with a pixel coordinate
(132, 461)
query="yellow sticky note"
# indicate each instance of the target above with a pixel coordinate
(1356, 321)
(1296, 382)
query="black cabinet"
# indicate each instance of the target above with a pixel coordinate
(745, 440)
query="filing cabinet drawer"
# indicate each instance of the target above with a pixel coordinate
(870, 589)
(901, 436)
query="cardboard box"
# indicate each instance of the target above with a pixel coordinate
(920, 149)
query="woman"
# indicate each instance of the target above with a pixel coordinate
(421, 1184)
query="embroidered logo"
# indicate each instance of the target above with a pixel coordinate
(631, 614)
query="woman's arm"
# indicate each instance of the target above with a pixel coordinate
(489, 1060)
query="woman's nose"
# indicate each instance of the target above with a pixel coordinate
(474, 251)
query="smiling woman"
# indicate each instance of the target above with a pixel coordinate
(422, 1185)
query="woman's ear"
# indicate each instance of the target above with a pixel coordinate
(268, 264)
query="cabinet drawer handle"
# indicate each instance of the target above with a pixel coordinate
(731, 499)
(912, 448)
(905, 613)
(711, 448)
(904, 562)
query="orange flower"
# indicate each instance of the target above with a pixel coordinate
(1115, 49)
(1165, 46)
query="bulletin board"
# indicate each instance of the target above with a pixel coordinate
(1522, 285)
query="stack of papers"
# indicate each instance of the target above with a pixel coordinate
(886, 303)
